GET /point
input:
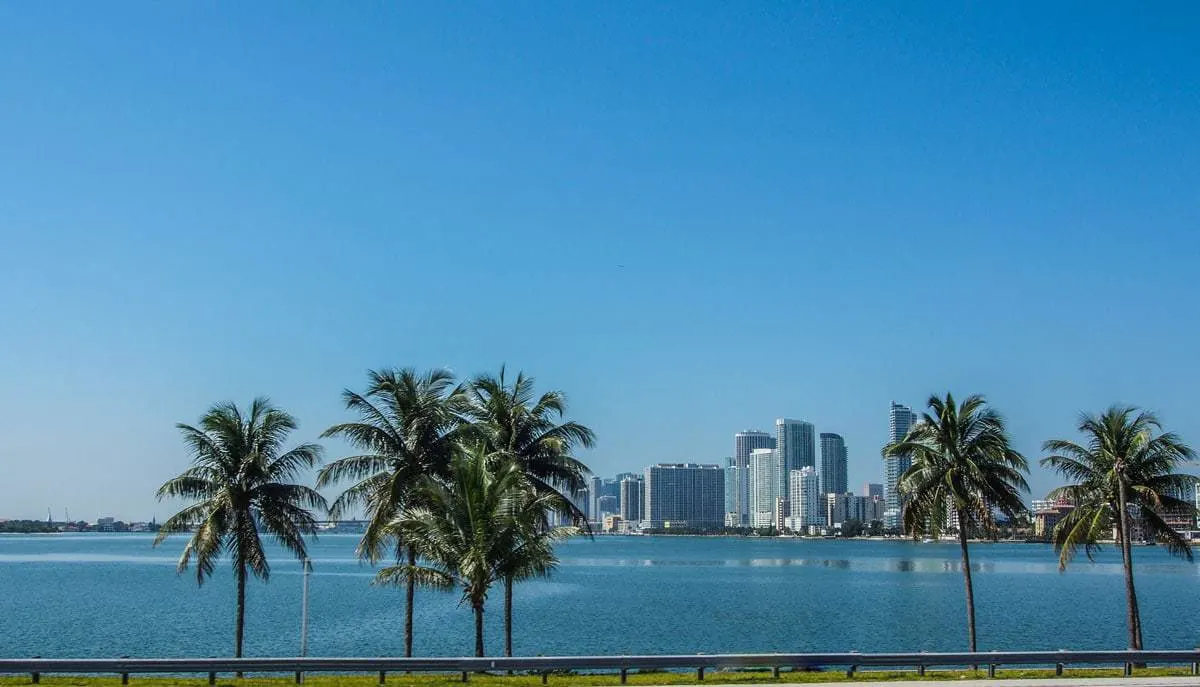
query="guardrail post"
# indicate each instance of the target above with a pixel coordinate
(1195, 668)
(382, 676)
(700, 673)
(921, 670)
(35, 676)
(545, 676)
(1058, 670)
(464, 676)
(852, 668)
(124, 676)
(1128, 670)
(775, 672)
(212, 678)
(991, 670)
(299, 677)
(624, 675)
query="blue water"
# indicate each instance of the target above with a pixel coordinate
(114, 595)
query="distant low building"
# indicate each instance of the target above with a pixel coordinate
(1047, 514)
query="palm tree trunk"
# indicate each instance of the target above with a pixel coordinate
(478, 605)
(966, 565)
(240, 631)
(1126, 535)
(508, 586)
(409, 594)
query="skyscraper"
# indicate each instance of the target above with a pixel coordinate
(764, 486)
(632, 495)
(733, 479)
(743, 444)
(900, 419)
(833, 464)
(795, 440)
(872, 489)
(595, 491)
(684, 495)
(806, 497)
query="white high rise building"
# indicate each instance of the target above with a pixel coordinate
(764, 486)
(795, 441)
(805, 487)
(743, 444)
(900, 419)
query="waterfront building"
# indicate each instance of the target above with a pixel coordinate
(781, 513)
(764, 486)
(838, 508)
(684, 495)
(833, 464)
(900, 419)
(734, 477)
(632, 498)
(743, 444)
(806, 497)
(593, 497)
(871, 489)
(795, 441)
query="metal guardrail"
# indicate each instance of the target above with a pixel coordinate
(545, 665)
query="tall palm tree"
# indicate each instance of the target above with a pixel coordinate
(464, 528)
(406, 431)
(241, 481)
(962, 466)
(1126, 465)
(517, 424)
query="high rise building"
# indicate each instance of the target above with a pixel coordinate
(804, 484)
(872, 489)
(733, 478)
(795, 441)
(764, 486)
(743, 444)
(684, 495)
(594, 493)
(632, 496)
(833, 464)
(900, 419)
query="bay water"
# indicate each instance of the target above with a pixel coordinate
(110, 595)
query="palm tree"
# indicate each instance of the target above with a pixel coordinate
(1127, 465)
(962, 466)
(533, 552)
(464, 528)
(518, 425)
(241, 481)
(406, 430)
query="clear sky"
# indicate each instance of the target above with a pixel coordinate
(693, 217)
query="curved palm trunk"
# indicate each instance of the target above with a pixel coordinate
(409, 595)
(1124, 531)
(966, 564)
(478, 606)
(240, 631)
(508, 589)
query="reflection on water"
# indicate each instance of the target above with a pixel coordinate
(879, 565)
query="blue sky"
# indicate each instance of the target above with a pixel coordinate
(692, 217)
